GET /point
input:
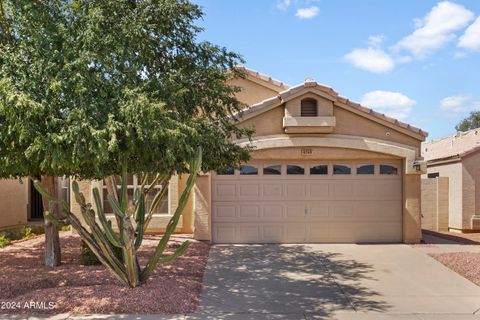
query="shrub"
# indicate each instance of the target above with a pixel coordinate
(88, 258)
(4, 241)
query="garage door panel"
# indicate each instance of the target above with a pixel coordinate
(224, 234)
(272, 190)
(389, 190)
(224, 191)
(307, 208)
(273, 233)
(249, 190)
(296, 191)
(295, 210)
(273, 211)
(319, 210)
(342, 190)
(225, 211)
(249, 211)
(248, 234)
(365, 190)
(320, 190)
(295, 232)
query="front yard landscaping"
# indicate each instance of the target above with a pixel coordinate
(466, 264)
(79, 289)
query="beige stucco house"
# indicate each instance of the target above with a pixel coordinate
(323, 169)
(458, 158)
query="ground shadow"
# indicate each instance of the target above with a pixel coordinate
(284, 279)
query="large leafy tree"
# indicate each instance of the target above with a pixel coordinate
(470, 122)
(93, 88)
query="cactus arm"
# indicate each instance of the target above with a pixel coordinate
(103, 220)
(140, 216)
(113, 266)
(195, 165)
(98, 235)
(181, 250)
(124, 190)
(156, 201)
(116, 207)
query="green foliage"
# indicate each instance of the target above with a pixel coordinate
(471, 122)
(131, 216)
(88, 258)
(89, 86)
(21, 233)
(4, 241)
(66, 228)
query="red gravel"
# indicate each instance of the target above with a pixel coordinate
(78, 289)
(466, 264)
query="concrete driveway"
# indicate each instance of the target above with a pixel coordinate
(334, 282)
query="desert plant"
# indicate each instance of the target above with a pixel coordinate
(89, 86)
(131, 218)
(4, 241)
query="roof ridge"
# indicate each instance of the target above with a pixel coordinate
(265, 77)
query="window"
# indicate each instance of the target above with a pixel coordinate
(433, 175)
(387, 169)
(272, 170)
(248, 170)
(341, 169)
(226, 172)
(133, 184)
(319, 169)
(294, 169)
(366, 169)
(308, 108)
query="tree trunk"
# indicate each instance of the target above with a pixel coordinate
(52, 240)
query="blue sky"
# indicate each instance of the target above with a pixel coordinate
(418, 61)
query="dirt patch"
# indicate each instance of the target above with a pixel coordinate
(78, 289)
(466, 264)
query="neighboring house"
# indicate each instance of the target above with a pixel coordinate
(20, 202)
(324, 169)
(458, 158)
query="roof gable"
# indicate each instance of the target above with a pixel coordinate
(311, 86)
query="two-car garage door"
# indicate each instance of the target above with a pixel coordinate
(308, 201)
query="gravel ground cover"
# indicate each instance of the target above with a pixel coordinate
(467, 264)
(26, 286)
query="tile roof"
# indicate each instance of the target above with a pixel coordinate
(264, 77)
(460, 144)
(310, 83)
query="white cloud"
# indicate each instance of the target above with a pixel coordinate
(372, 59)
(454, 106)
(471, 38)
(393, 104)
(283, 4)
(307, 13)
(436, 29)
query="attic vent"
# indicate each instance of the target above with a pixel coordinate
(308, 108)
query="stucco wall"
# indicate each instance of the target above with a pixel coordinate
(347, 123)
(267, 123)
(252, 92)
(13, 203)
(412, 232)
(435, 204)
(455, 199)
(470, 188)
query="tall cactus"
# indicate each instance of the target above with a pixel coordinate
(132, 219)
